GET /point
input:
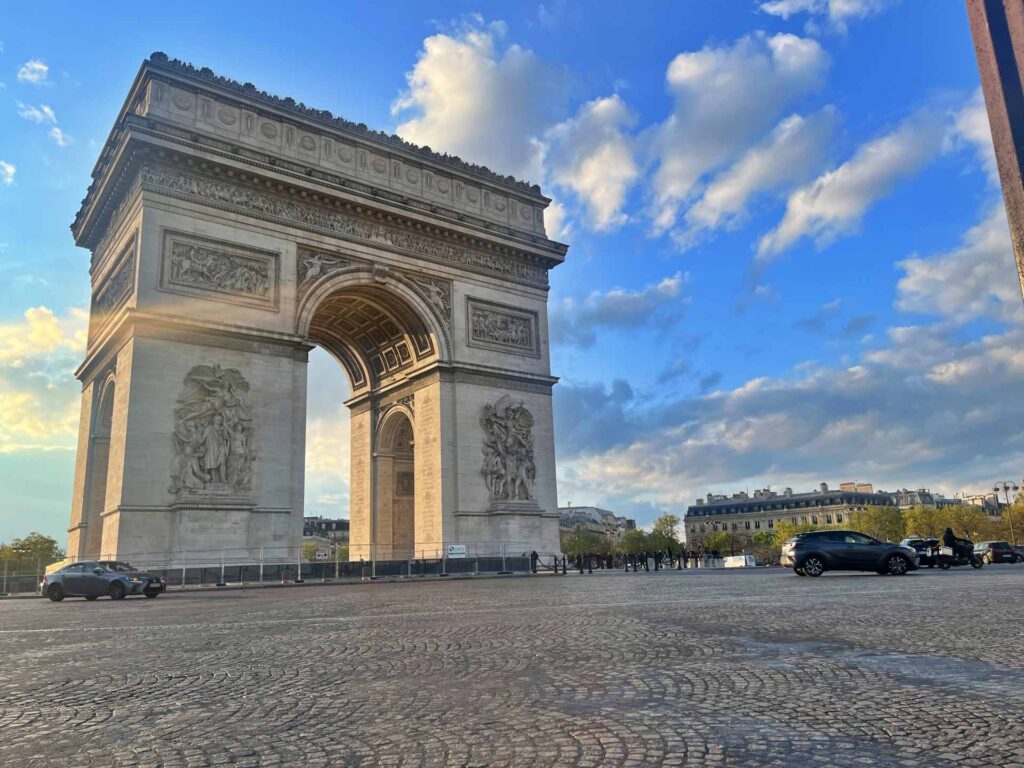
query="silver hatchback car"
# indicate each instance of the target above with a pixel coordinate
(97, 578)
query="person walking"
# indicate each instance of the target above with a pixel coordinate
(534, 557)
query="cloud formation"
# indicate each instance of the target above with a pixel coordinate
(791, 154)
(577, 322)
(33, 71)
(591, 155)
(837, 12)
(39, 399)
(834, 204)
(7, 171)
(472, 96)
(41, 114)
(724, 98)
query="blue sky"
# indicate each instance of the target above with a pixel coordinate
(789, 261)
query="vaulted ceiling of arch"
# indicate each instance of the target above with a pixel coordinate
(371, 333)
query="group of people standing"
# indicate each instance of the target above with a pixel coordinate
(647, 561)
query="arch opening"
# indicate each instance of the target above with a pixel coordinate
(99, 464)
(381, 338)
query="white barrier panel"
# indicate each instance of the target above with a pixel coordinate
(740, 561)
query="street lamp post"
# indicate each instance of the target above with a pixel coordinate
(1006, 486)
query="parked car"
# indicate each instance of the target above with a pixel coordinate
(1020, 554)
(95, 579)
(995, 552)
(927, 550)
(814, 552)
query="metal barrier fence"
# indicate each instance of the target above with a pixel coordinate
(319, 562)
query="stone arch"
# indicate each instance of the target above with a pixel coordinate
(374, 322)
(98, 466)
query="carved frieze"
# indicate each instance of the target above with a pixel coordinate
(509, 470)
(220, 271)
(385, 409)
(501, 328)
(115, 289)
(343, 225)
(213, 434)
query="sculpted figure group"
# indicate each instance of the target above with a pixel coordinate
(212, 433)
(509, 469)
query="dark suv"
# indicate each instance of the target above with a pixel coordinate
(813, 553)
(995, 552)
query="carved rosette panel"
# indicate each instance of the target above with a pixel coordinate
(219, 271)
(344, 225)
(509, 470)
(213, 434)
(502, 328)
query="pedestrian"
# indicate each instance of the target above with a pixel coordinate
(534, 557)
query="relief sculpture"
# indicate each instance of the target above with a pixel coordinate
(212, 433)
(502, 328)
(509, 470)
(202, 267)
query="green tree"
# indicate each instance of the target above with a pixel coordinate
(725, 543)
(784, 531)
(665, 529)
(583, 542)
(884, 523)
(30, 550)
(925, 521)
(635, 540)
(763, 547)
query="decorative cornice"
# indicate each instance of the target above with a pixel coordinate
(160, 60)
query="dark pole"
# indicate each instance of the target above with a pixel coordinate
(997, 27)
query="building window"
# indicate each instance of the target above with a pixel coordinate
(771, 523)
(702, 527)
(839, 518)
(803, 519)
(746, 524)
(828, 519)
(757, 525)
(734, 526)
(792, 520)
(814, 519)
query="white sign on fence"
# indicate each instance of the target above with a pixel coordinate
(322, 554)
(456, 551)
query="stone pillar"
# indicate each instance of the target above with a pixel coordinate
(998, 30)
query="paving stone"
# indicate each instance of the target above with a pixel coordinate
(706, 668)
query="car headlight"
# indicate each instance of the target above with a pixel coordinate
(134, 579)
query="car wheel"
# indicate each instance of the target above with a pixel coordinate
(975, 562)
(799, 572)
(945, 566)
(151, 594)
(897, 565)
(812, 566)
(55, 593)
(91, 597)
(117, 591)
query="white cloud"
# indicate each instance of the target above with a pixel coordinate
(837, 12)
(469, 95)
(591, 155)
(572, 322)
(725, 97)
(59, 137)
(834, 203)
(791, 154)
(970, 124)
(973, 280)
(7, 171)
(39, 397)
(33, 71)
(928, 409)
(40, 114)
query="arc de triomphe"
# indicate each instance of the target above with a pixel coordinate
(231, 231)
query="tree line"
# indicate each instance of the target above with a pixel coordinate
(884, 523)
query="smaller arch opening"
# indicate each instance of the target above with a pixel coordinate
(99, 461)
(396, 490)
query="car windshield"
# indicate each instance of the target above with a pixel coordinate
(117, 567)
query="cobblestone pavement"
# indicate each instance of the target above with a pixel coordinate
(708, 668)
